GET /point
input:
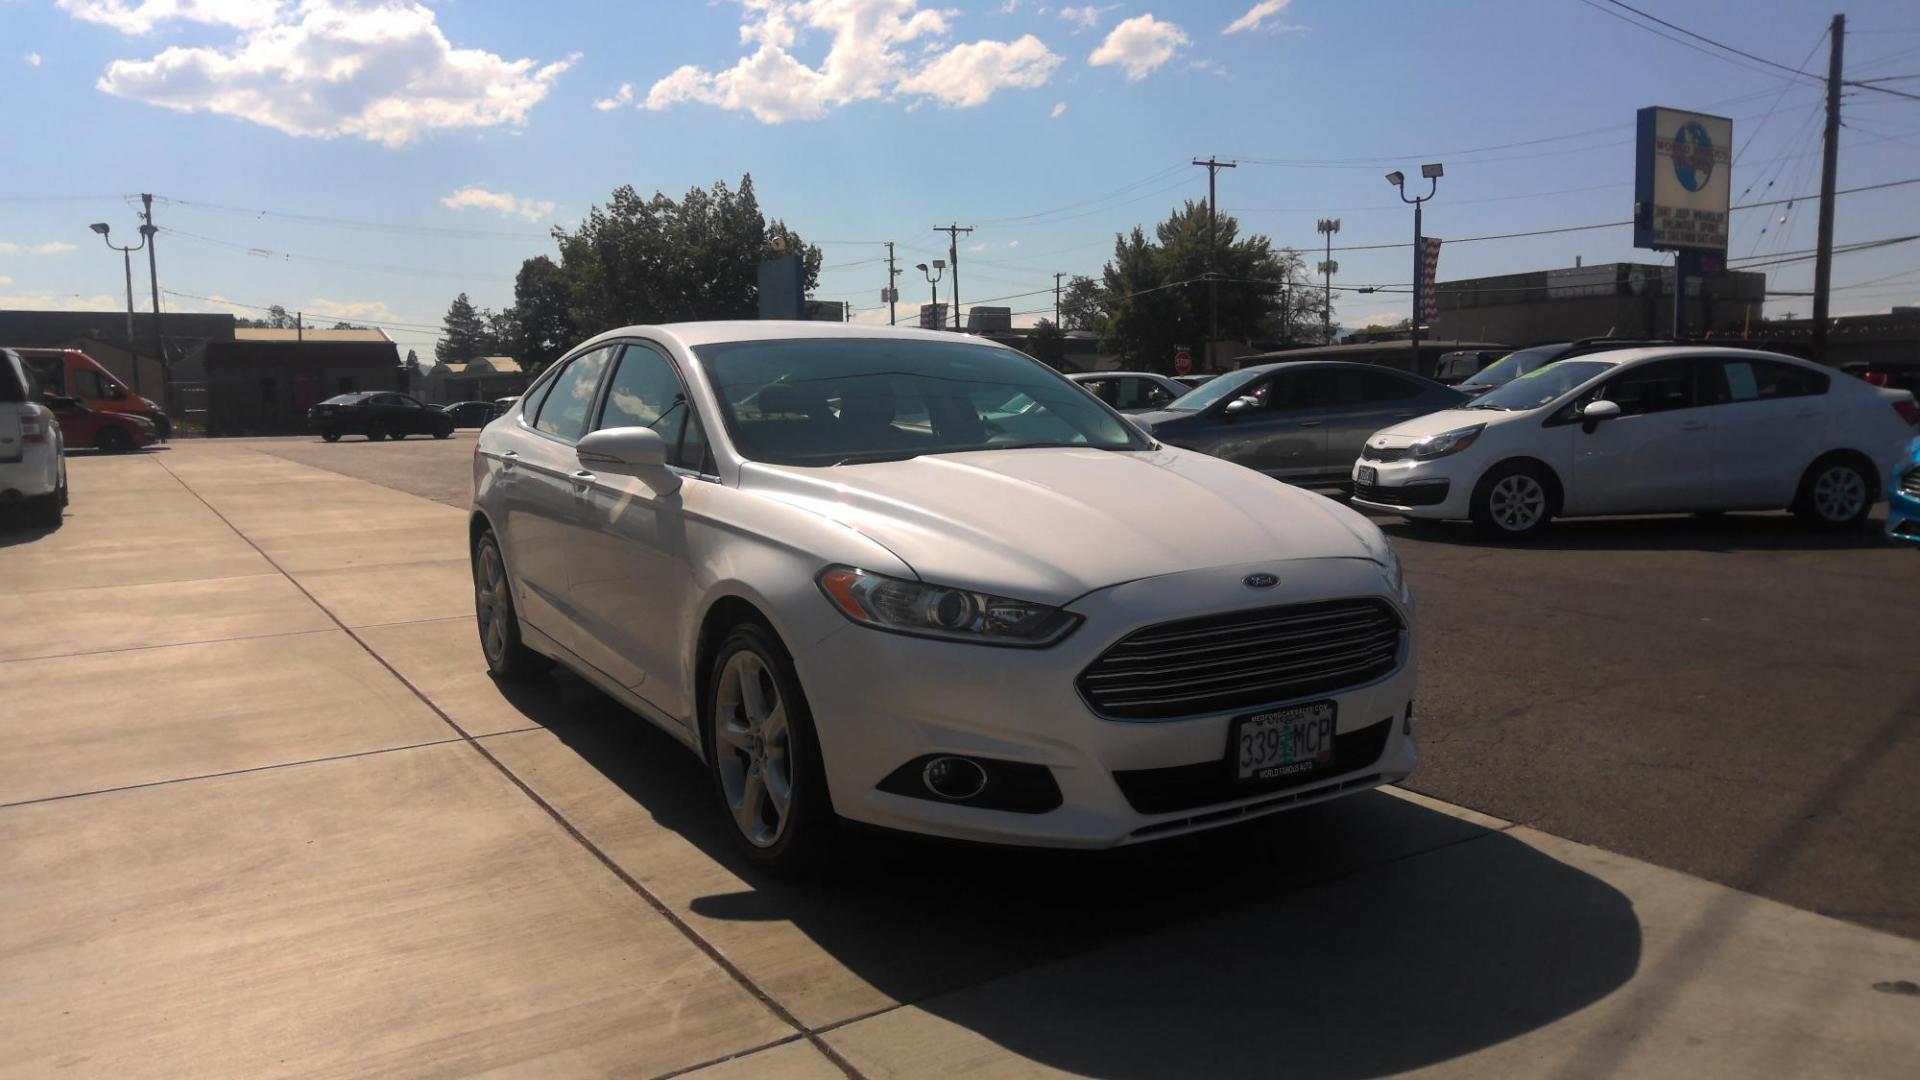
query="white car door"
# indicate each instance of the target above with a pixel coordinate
(1657, 455)
(1766, 430)
(542, 510)
(631, 580)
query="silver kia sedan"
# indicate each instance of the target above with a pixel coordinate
(921, 581)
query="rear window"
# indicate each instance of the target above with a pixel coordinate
(346, 399)
(14, 385)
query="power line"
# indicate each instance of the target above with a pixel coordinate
(1708, 40)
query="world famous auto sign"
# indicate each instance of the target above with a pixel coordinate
(1683, 173)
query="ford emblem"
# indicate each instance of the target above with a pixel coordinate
(1260, 581)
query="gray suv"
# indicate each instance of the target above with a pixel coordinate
(1303, 421)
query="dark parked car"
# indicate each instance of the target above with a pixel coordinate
(377, 415)
(1456, 367)
(1303, 421)
(472, 413)
(1130, 391)
(1191, 381)
(1534, 357)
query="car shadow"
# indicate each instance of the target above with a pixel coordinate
(1356, 938)
(1723, 533)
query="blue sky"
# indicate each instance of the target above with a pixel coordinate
(1049, 127)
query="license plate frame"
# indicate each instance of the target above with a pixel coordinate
(1279, 753)
(1367, 474)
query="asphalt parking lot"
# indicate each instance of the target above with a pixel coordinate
(1734, 697)
(262, 813)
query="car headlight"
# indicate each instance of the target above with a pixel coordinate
(915, 607)
(1447, 442)
(1396, 576)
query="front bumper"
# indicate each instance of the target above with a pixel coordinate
(1441, 488)
(1903, 504)
(883, 700)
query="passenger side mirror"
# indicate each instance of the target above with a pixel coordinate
(630, 451)
(1600, 410)
(60, 402)
(1240, 405)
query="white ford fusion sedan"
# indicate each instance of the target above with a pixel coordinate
(921, 581)
(1646, 431)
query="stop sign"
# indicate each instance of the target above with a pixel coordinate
(1183, 362)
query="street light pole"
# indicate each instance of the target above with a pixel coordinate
(1327, 227)
(126, 258)
(1432, 173)
(933, 279)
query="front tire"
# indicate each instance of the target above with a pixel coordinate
(376, 431)
(113, 440)
(331, 434)
(507, 656)
(49, 510)
(443, 432)
(764, 756)
(1836, 493)
(1514, 500)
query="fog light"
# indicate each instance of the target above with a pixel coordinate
(954, 778)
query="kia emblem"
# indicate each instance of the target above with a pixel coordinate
(1260, 581)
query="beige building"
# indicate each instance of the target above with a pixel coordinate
(483, 378)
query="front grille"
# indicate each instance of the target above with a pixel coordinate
(1428, 494)
(1216, 663)
(1910, 482)
(1382, 453)
(1188, 787)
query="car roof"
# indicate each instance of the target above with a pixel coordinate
(1654, 352)
(693, 334)
(1113, 375)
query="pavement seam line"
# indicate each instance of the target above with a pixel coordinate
(712, 953)
(166, 645)
(231, 772)
(735, 1056)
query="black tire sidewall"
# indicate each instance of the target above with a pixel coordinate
(330, 435)
(803, 846)
(112, 440)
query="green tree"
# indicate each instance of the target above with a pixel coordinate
(540, 307)
(1082, 307)
(502, 334)
(463, 333)
(1048, 344)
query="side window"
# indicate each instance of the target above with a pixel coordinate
(1337, 387)
(1134, 394)
(563, 411)
(646, 392)
(1662, 386)
(1379, 386)
(1153, 395)
(91, 384)
(1762, 380)
(405, 402)
(1287, 391)
(1100, 388)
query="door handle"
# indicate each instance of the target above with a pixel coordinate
(1311, 423)
(508, 459)
(583, 482)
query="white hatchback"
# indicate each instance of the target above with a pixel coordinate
(1638, 431)
(33, 465)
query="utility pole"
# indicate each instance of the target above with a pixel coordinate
(299, 326)
(1829, 168)
(893, 294)
(1056, 298)
(1328, 227)
(153, 282)
(1431, 173)
(1213, 166)
(953, 232)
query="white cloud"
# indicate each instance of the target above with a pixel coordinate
(1013, 243)
(475, 197)
(623, 96)
(360, 311)
(977, 248)
(5, 280)
(51, 247)
(42, 300)
(1140, 45)
(967, 75)
(328, 68)
(142, 17)
(1086, 16)
(1257, 15)
(863, 61)
(33, 59)
(1059, 110)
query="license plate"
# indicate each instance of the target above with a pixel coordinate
(1283, 742)
(1368, 474)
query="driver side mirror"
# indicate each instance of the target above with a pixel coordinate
(1240, 405)
(1600, 410)
(630, 451)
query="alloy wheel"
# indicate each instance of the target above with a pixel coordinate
(1517, 502)
(753, 749)
(1839, 493)
(491, 604)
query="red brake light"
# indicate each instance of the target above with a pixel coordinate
(1908, 411)
(1875, 378)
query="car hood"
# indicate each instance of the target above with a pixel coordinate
(1053, 524)
(1420, 427)
(1150, 417)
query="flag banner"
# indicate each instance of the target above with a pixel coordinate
(1429, 267)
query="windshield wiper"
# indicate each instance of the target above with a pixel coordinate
(1488, 405)
(869, 459)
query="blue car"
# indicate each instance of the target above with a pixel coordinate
(1903, 497)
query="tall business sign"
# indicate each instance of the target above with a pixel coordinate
(1682, 192)
(1429, 271)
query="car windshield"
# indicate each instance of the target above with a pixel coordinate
(1512, 366)
(1541, 386)
(1226, 386)
(346, 399)
(840, 401)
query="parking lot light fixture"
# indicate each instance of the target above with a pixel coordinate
(933, 279)
(126, 258)
(1430, 172)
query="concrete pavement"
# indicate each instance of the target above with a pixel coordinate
(262, 813)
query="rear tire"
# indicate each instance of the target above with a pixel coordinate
(112, 440)
(48, 510)
(759, 739)
(331, 435)
(499, 623)
(1837, 492)
(1514, 500)
(376, 431)
(443, 432)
